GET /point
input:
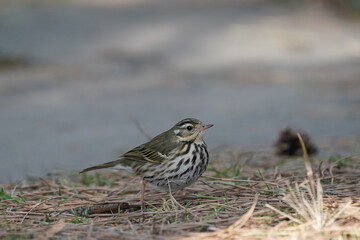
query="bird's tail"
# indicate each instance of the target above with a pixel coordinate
(100, 166)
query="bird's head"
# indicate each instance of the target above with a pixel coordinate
(190, 130)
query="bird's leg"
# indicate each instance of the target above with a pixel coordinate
(172, 197)
(142, 198)
(175, 201)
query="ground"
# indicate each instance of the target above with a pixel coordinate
(243, 195)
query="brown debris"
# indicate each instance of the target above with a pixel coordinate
(102, 208)
(288, 143)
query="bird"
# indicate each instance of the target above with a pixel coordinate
(170, 161)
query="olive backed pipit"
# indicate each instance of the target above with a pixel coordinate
(170, 161)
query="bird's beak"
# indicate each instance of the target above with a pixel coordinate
(204, 127)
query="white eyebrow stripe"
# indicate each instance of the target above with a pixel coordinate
(186, 125)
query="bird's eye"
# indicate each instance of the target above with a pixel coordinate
(189, 128)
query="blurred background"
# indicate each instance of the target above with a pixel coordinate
(74, 73)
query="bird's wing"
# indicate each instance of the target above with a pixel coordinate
(145, 154)
(157, 150)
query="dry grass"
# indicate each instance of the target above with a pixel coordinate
(241, 196)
